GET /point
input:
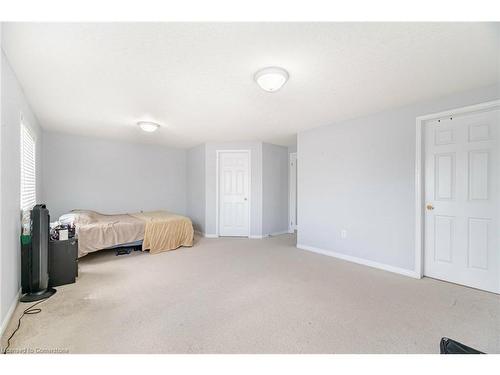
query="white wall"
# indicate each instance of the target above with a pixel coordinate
(2, 323)
(359, 175)
(110, 176)
(13, 104)
(196, 200)
(256, 183)
(275, 189)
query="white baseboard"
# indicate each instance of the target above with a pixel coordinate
(259, 237)
(252, 236)
(8, 317)
(206, 235)
(211, 235)
(279, 233)
(364, 262)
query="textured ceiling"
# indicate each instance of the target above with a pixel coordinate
(197, 78)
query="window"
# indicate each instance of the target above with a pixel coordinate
(28, 173)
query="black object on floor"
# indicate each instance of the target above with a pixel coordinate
(29, 311)
(37, 296)
(63, 262)
(123, 250)
(449, 346)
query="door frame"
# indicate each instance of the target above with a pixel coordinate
(420, 173)
(217, 178)
(292, 155)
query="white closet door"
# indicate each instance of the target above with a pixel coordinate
(462, 188)
(233, 193)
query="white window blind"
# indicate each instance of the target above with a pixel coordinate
(28, 172)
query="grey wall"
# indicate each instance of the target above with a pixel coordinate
(359, 175)
(111, 177)
(196, 199)
(268, 179)
(13, 103)
(274, 189)
(256, 183)
(2, 323)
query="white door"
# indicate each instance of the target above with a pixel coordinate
(462, 188)
(292, 207)
(234, 193)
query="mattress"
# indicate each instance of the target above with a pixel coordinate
(158, 230)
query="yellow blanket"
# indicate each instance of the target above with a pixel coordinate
(165, 231)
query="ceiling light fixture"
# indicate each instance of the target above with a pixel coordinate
(271, 79)
(148, 126)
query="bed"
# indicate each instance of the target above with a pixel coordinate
(158, 230)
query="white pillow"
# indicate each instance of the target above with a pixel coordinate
(67, 218)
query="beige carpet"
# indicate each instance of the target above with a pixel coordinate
(253, 296)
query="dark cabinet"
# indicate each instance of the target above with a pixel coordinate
(63, 262)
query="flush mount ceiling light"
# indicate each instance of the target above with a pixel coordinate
(148, 126)
(271, 79)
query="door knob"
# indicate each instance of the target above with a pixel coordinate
(429, 207)
(245, 198)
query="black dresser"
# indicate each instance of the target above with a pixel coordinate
(63, 262)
